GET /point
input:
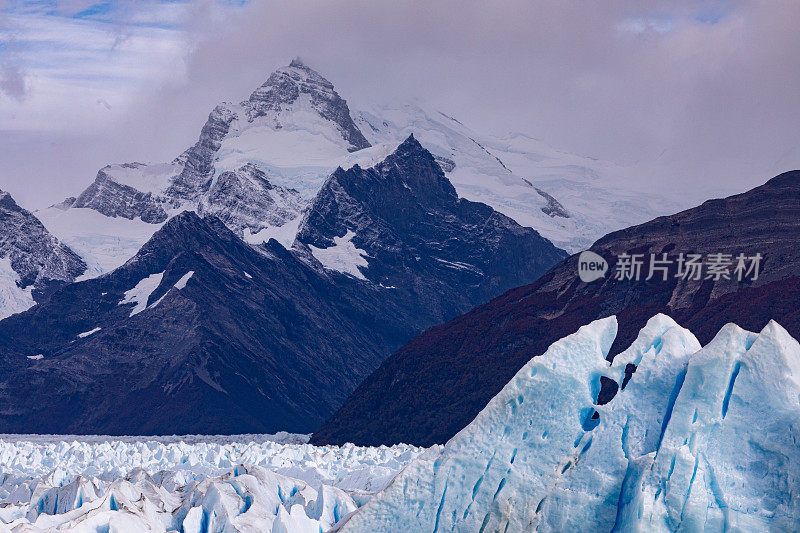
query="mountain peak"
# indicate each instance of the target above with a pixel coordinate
(411, 144)
(35, 255)
(290, 86)
(297, 63)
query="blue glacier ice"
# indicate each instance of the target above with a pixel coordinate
(699, 439)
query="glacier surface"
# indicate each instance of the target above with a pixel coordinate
(13, 298)
(695, 439)
(189, 483)
(698, 439)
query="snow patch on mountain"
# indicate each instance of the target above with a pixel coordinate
(343, 256)
(103, 242)
(87, 333)
(696, 439)
(140, 294)
(13, 298)
(181, 283)
(284, 234)
(147, 178)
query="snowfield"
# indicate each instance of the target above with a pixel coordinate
(190, 483)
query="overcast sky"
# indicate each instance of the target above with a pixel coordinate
(701, 95)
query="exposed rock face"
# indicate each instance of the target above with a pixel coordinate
(420, 238)
(245, 198)
(202, 333)
(553, 207)
(198, 170)
(36, 256)
(435, 385)
(113, 199)
(284, 87)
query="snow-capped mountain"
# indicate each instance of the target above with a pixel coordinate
(571, 200)
(281, 144)
(292, 131)
(32, 261)
(401, 224)
(696, 440)
(436, 384)
(202, 332)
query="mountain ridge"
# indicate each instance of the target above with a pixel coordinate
(207, 333)
(412, 398)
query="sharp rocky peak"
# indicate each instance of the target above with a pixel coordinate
(35, 255)
(417, 170)
(410, 172)
(286, 85)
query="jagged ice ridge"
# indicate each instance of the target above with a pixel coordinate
(695, 439)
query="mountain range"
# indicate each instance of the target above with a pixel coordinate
(294, 131)
(437, 383)
(201, 332)
(252, 283)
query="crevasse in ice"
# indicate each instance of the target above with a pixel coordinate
(697, 440)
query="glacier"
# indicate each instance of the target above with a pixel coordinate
(13, 298)
(696, 438)
(187, 483)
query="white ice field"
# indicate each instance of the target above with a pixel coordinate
(699, 439)
(188, 483)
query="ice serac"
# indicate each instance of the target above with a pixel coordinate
(32, 261)
(697, 439)
(728, 459)
(495, 473)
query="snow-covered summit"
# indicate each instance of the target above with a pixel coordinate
(296, 129)
(290, 87)
(31, 258)
(569, 199)
(255, 165)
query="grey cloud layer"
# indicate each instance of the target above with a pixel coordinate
(700, 93)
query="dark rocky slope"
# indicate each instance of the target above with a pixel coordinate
(439, 252)
(259, 339)
(436, 384)
(256, 341)
(36, 255)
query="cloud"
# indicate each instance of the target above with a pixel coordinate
(697, 95)
(12, 82)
